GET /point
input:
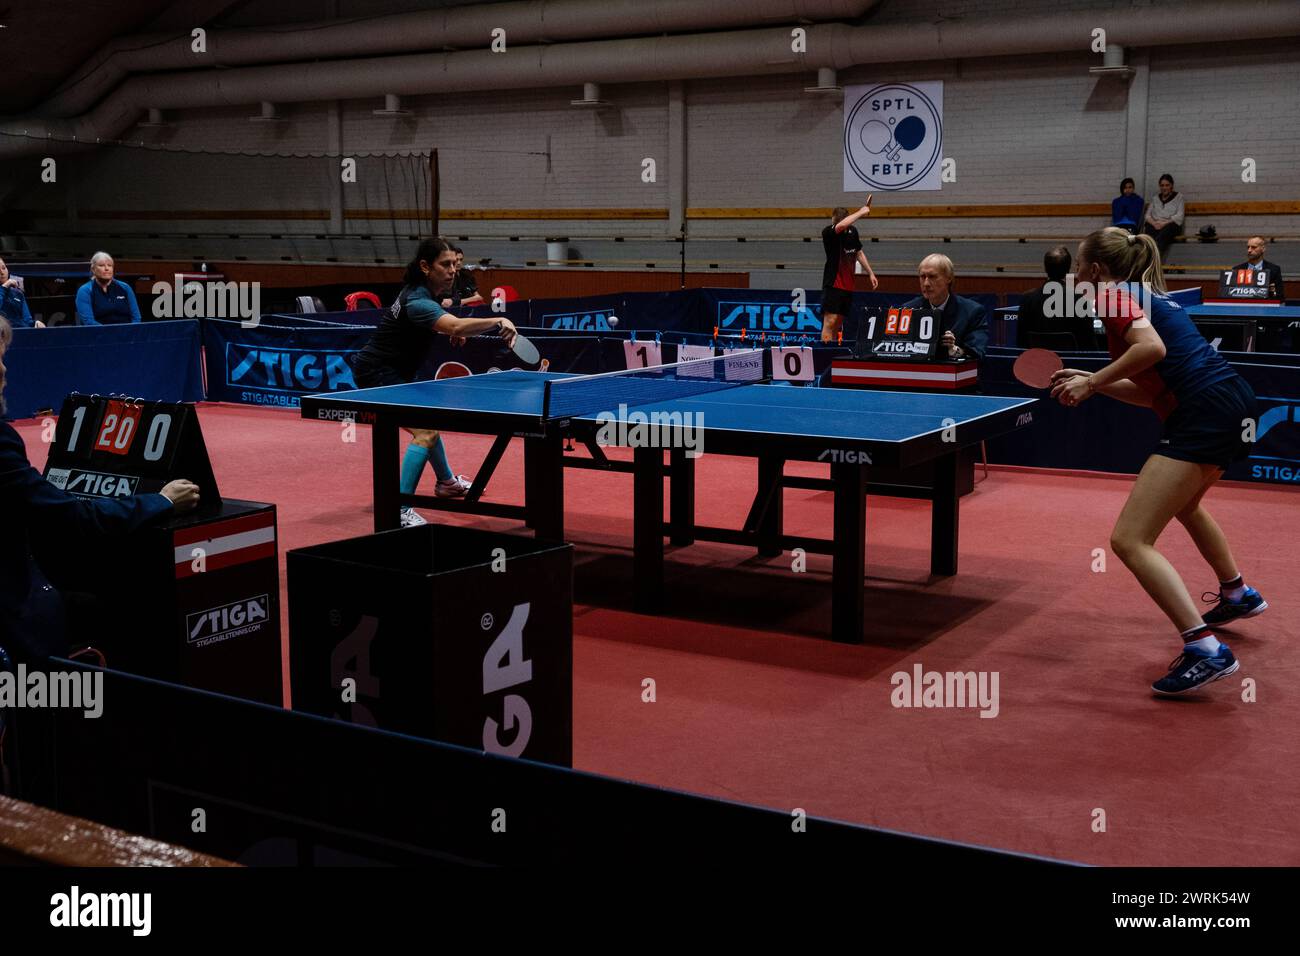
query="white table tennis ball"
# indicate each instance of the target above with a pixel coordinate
(613, 321)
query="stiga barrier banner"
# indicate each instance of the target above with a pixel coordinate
(276, 365)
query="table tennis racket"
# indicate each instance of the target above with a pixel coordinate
(1036, 366)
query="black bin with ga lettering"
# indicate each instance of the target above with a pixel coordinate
(194, 600)
(453, 634)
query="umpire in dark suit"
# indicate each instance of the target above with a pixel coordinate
(1255, 249)
(963, 322)
(31, 610)
(1032, 318)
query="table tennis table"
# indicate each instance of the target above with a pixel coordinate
(1244, 315)
(853, 431)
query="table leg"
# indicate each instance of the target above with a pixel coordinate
(944, 515)
(544, 486)
(850, 547)
(681, 498)
(385, 475)
(648, 528)
(771, 521)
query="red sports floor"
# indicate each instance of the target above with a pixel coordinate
(754, 704)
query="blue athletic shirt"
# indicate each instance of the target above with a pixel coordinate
(1190, 364)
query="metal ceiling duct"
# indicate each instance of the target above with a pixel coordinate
(683, 57)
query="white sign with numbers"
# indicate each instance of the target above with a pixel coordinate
(792, 364)
(643, 354)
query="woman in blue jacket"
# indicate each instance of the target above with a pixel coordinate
(1126, 208)
(105, 300)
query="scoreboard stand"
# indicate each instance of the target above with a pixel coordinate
(897, 350)
(195, 600)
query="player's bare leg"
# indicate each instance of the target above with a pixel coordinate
(1164, 488)
(1208, 536)
(830, 325)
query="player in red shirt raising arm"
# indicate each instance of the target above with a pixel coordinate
(843, 249)
(1161, 361)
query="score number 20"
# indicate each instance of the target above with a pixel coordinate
(118, 430)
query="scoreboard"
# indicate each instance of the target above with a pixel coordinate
(1245, 285)
(113, 447)
(194, 600)
(899, 333)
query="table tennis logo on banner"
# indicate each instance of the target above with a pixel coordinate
(595, 321)
(775, 316)
(228, 621)
(893, 136)
(287, 370)
(92, 484)
(1277, 459)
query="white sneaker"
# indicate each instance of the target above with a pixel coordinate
(412, 518)
(454, 487)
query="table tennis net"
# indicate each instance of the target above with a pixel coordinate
(593, 394)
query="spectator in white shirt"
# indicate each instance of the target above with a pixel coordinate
(1164, 218)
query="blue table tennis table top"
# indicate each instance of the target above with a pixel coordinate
(1243, 310)
(832, 413)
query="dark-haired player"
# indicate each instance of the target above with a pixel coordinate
(843, 249)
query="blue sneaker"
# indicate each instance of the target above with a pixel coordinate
(1192, 669)
(1251, 603)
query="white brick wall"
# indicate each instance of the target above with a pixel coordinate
(1026, 129)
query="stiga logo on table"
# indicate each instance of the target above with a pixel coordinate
(778, 316)
(893, 136)
(287, 370)
(228, 621)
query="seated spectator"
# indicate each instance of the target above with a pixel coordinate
(1033, 320)
(464, 290)
(1255, 261)
(1165, 216)
(13, 304)
(963, 322)
(105, 300)
(1126, 208)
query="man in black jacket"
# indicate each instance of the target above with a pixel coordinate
(964, 324)
(1255, 261)
(1033, 317)
(31, 610)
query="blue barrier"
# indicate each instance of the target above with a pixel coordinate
(153, 360)
(1103, 434)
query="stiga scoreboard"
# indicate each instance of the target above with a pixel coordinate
(899, 334)
(195, 600)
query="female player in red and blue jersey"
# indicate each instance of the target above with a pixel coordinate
(1161, 361)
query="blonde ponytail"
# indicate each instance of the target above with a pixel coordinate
(1128, 258)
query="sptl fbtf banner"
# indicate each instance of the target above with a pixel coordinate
(893, 136)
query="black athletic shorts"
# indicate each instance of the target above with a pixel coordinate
(836, 301)
(376, 376)
(1209, 428)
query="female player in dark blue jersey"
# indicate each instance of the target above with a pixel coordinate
(1161, 361)
(399, 346)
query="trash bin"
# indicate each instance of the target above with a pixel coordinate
(449, 633)
(557, 251)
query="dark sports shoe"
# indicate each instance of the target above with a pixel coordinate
(1251, 603)
(1192, 669)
